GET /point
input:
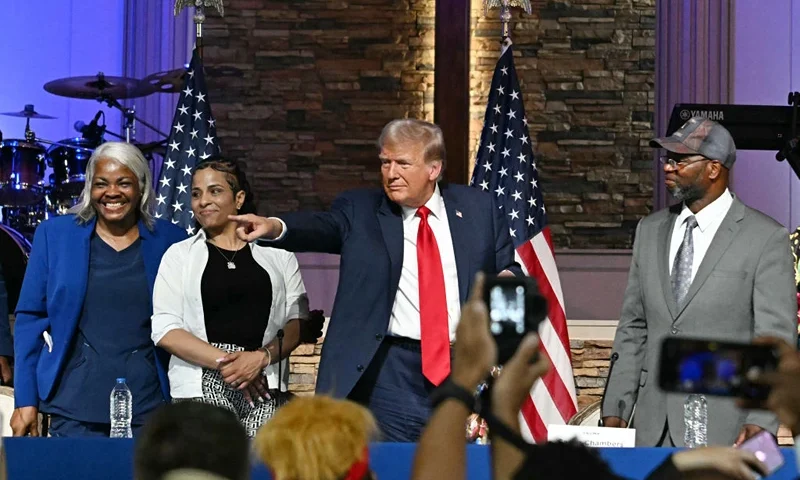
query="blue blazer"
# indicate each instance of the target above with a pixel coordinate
(51, 300)
(366, 229)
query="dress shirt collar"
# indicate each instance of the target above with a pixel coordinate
(711, 213)
(434, 204)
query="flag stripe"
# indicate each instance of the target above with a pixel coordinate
(555, 311)
(534, 421)
(558, 391)
(560, 358)
(523, 425)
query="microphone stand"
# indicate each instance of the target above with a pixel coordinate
(614, 358)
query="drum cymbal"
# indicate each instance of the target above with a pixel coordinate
(166, 82)
(28, 112)
(94, 87)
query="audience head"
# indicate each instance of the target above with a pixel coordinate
(554, 460)
(412, 157)
(219, 189)
(317, 438)
(192, 435)
(118, 186)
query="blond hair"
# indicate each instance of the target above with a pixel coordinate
(315, 438)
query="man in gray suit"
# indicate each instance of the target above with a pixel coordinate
(707, 267)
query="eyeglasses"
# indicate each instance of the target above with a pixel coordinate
(680, 163)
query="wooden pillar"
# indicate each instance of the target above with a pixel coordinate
(451, 78)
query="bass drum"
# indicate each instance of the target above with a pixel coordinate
(14, 252)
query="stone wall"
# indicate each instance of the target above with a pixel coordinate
(589, 362)
(319, 79)
(586, 69)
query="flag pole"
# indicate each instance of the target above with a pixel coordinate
(199, 16)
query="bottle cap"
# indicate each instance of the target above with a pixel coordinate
(121, 380)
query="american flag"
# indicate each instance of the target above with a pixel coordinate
(506, 167)
(192, 139)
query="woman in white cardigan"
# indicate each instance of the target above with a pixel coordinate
(219, 303)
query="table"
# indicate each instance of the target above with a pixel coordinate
(101, 459)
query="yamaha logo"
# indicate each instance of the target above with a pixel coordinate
(685, 114)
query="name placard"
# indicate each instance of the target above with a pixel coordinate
(593, 436)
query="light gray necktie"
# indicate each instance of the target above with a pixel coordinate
(682, 267)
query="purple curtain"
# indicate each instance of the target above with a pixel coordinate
(694, 42)
(155, 41)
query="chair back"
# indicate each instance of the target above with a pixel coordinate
(588, 416)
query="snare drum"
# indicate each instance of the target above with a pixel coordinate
(22, 169)
(68, 159)
(14, 252)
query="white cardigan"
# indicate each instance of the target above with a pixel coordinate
(177, 304)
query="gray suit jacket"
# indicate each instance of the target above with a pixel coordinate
(744, 288)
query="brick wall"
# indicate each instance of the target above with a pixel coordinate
(586, 69)
(319, 80)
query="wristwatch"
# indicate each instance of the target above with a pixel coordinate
(449, 389)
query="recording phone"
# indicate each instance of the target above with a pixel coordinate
(515, 308)
(716, 368)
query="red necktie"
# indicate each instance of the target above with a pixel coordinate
(434, 330)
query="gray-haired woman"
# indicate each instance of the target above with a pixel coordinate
(83, 316)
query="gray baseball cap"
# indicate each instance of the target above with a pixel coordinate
(700, 136)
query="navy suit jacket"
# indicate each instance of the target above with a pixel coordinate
(366, 229)
(51, 300)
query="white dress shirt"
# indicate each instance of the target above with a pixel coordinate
(405, 320)
(708, 222)
(178, 304)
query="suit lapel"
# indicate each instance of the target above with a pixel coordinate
(79, 258)
(722, 239)
(459, 229)
(664, 238)
(390, 219)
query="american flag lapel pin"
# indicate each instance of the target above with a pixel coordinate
(459, 214)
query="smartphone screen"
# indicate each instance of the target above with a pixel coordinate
(515, 308)
(507, 307)
(765, 448)
(714, 368)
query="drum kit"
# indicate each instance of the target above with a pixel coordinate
(41, 178)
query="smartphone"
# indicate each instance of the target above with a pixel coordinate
(765, 448)
(515, 308)
(716, 368)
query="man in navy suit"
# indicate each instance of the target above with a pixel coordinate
(409, 253)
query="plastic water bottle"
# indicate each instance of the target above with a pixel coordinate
(695, 421)
(121, 410)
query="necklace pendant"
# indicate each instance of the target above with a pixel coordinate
(231, 266)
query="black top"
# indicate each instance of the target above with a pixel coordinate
(236, 302)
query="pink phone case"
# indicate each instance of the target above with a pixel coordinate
(766, 449)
